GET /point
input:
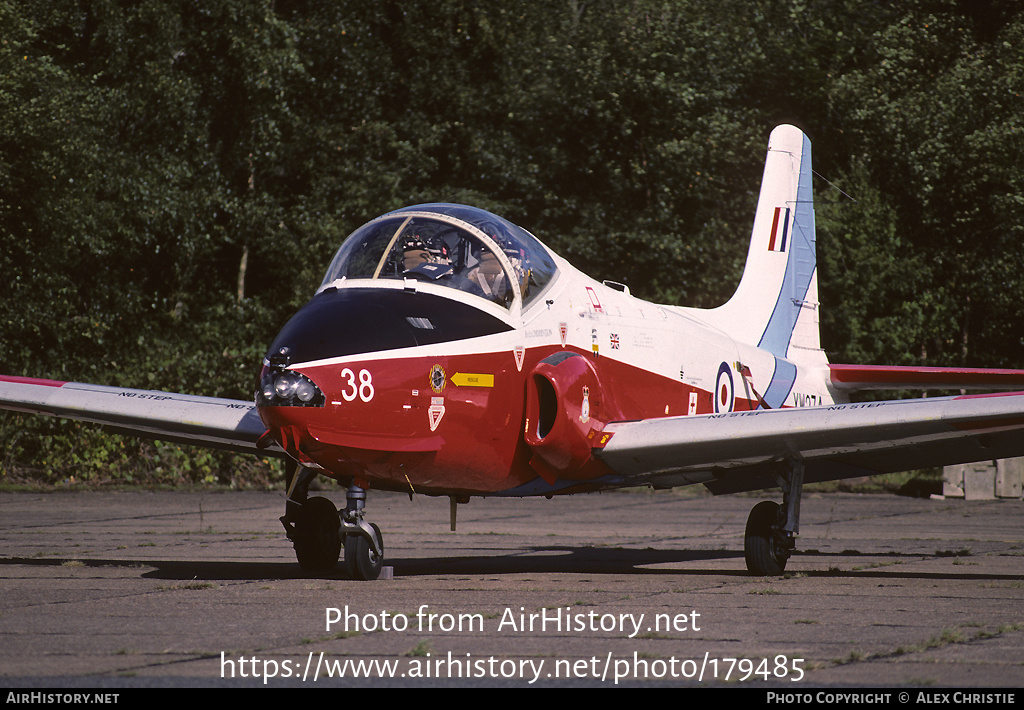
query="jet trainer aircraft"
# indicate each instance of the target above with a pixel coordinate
(448, 352)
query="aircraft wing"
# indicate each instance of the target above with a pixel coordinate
(205, 421)
(739, 451)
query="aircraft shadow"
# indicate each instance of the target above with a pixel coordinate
(527, 561)
(537, 560)
(558, 559)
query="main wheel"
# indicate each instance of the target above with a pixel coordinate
(316, 539)
(765, 556)
(361, 560)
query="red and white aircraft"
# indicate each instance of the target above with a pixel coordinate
(449, 352)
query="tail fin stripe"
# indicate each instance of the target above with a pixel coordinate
(781, 384)
(781, 216)
(775, 228)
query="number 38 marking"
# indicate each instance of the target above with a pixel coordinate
(364, 390)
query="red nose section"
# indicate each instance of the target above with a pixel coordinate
(417, 424)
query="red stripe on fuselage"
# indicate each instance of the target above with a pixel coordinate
(477, 445)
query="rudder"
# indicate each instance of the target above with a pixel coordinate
(775, 305)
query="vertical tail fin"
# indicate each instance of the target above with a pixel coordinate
(775, 305)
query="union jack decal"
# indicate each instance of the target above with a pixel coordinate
(614, 337)
(780, 230)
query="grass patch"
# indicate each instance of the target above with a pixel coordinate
(187, 585)
(962, 552)
(947, 637)
(918, 484)
(423, 648)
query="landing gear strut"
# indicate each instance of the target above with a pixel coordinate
(364, 545)
(770, 536)
(318, 531)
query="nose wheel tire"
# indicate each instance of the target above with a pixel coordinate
(763, 546)
(316, 538)
(360, 558)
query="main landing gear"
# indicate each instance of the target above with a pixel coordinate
(318, 531)
(770, 536)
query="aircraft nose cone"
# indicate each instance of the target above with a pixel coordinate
(352, 321)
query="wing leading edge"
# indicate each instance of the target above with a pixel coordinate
(205, 421)
(740, 451)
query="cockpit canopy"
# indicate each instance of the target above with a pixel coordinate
(455, 246)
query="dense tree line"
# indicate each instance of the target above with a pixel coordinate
(175, 174)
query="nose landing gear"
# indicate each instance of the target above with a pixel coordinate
(318, 531)
(364, 544)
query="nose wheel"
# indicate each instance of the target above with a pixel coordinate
(318, 531)
(362, 560)
(364, 545)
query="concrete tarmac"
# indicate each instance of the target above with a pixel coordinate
(629, 588)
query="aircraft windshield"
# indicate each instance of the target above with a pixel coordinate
(450, 245)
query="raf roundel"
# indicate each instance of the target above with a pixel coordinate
(724, 397)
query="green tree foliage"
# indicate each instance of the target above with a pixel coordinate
(175, 174)
(936, 121)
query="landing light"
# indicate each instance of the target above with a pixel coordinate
(287, 388)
